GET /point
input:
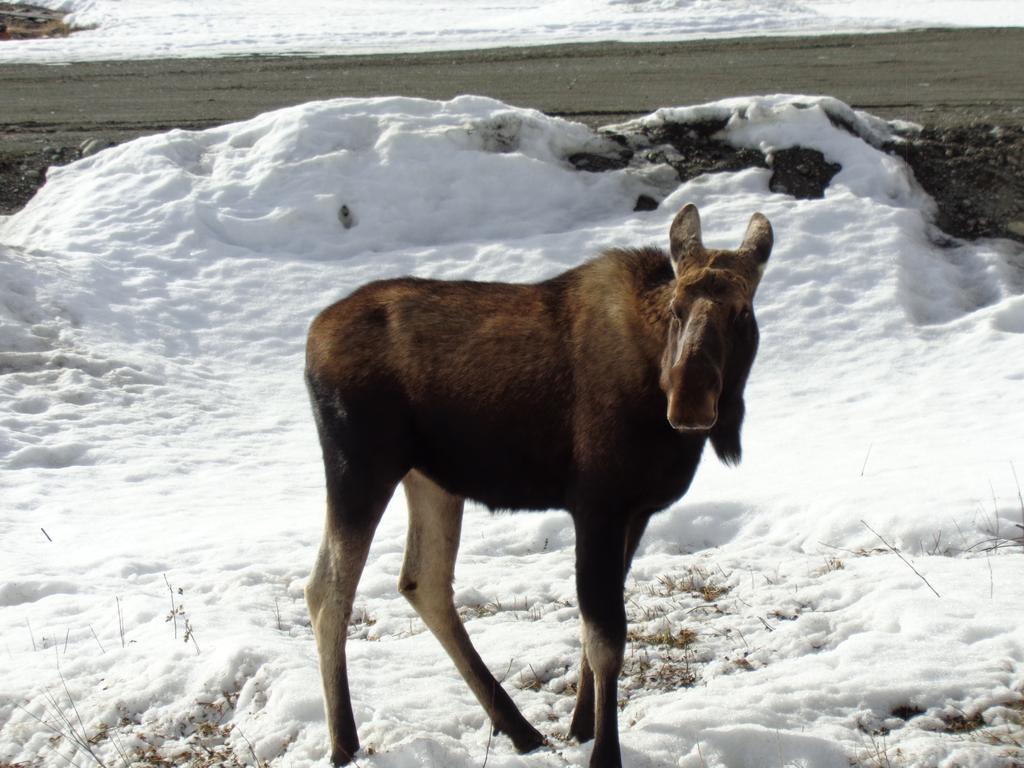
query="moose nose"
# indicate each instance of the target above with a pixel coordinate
(693, 417)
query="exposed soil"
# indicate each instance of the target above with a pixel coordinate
(975, 174)
(22, 173)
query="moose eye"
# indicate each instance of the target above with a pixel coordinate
(743, 316)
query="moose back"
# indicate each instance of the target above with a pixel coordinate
(594, 392)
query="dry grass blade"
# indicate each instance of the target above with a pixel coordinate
(1020, 499)
(901, 557)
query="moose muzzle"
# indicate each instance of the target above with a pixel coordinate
(694, 380)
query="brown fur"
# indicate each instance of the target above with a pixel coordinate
(553, 395)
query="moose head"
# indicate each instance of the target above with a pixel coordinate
(712, 336)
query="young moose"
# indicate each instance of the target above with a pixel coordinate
(592, 392)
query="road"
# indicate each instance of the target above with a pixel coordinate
(937, 77)
(948, 80)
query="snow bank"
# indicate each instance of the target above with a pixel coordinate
(109, 29)
(162, 498)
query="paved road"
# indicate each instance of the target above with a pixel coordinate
(936, 77)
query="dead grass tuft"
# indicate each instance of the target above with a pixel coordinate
(683, 639)
(961, 722)
(695, 581)
(665, 671)
(876, 754)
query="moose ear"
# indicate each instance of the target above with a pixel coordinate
(759, 238)
(684, 236)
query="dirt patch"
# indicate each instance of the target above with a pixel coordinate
(24, 22)
(22, 173)
(802, 173)
(974, 173)
(976, 176)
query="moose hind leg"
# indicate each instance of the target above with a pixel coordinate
(435, 523)
(329, 595)
(358, 492)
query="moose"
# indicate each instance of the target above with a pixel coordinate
(593, 392)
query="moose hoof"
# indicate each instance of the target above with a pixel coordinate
(342, 756)
(581, 732)
(524, 737)
(527, 742)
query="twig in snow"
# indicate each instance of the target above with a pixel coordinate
(32, 636)
(1020, 498)
(901, 557)
(67, 729)
(84, 741)
(190, 634)
(995, 508)
(866, 457)
(991, 581)
(963, 539)
(102, 650)
(120, 620)
(53, 728)
(251, 749)
(854, 552)
(174, 610)
(45, 534)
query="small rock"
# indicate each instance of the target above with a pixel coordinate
(92, 146)
(593, 163)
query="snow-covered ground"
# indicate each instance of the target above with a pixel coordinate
(156, 449)
(114, 29)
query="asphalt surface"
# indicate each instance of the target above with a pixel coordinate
(965, 87)
(934, 77)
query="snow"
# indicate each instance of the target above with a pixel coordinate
(112, 29)
(156, 446)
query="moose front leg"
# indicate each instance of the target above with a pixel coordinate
(435, 520)
(582, 727)
(600, 575)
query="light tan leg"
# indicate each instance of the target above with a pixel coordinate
(582, 727)
(329, 595)
(435, 523)
(605, 658)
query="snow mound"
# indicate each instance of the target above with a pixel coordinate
(162, 495)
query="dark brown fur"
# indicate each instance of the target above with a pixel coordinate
(553, 395)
